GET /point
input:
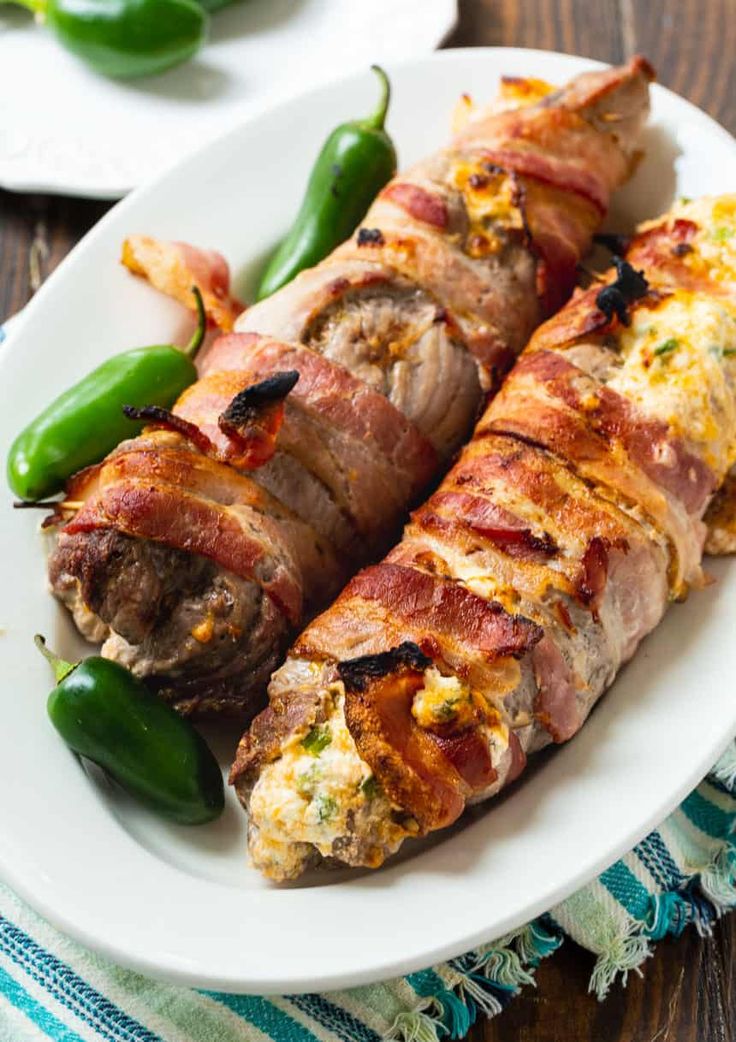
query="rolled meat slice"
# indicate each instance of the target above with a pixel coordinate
(553, 546)
(203, 544)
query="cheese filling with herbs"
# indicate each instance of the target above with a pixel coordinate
(680, 367)
(318, 794)
(678, 359)
(443, 700)
(714, 244)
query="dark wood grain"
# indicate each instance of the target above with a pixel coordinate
(692, 44)
(687, 991)
(685, 994)
(574, 26)
(36, 232)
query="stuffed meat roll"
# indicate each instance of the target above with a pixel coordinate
(570, 522)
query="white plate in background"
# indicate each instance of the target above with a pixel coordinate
(67, 130)
(181, 903)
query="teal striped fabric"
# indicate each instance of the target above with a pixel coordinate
(682, 874)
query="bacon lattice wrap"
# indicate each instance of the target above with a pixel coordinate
(186, 560)
(553, 546)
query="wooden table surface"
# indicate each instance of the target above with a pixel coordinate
(688, 989)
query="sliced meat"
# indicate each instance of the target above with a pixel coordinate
(391, 335)
(402, 344)
(169, 615)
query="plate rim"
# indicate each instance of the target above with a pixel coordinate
(176, 971)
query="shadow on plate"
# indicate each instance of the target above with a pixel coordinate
(246, 279)
(651, 190)
(250, 17)
(194, 81)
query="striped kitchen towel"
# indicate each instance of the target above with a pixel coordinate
(683, 873)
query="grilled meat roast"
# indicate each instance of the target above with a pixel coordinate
(202, 544)
(554, 545)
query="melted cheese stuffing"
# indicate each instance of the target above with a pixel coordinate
(320, 795)
(715, 242)
(491, 203)
(679, 358)
(514, 93)
(443, 700)
(317, 793)
(680, 367)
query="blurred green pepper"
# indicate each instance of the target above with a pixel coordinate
(126, 39)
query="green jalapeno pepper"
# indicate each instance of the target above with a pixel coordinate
(125, 38)
(356, 161)
(86, 422)
(109, 716)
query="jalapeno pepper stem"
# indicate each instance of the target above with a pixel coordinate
(198, 335)
(378, 118)
(60, 667)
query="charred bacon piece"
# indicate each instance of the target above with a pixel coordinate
(356, 673)
(254, 417)
(628, 286)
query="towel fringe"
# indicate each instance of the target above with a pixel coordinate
(537, 940)
(486, 979)
(718, 881)
(708, 895)
(625, 953)
(725, 769)
(415, 1026)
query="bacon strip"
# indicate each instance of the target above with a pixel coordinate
(442, 618)
(164, 514)
(415, 770)
(425, 206)
(174, 267)
(429, 771)
(451, 510)
(340, 399)
(551, 403)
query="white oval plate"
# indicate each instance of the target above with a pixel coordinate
(73, 132)
(181, 903)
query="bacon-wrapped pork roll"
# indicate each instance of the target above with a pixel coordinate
(201, 546)
(553, 546)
